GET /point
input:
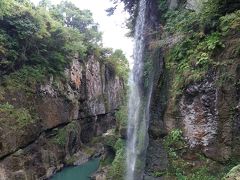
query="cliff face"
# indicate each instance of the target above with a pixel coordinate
(205, 110)
(51, 125)
(208, 113)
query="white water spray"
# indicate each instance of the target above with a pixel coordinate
(138, 113)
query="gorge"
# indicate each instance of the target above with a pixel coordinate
(65, 99)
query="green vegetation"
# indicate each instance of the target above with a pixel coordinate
(107, 160)
(61, 137)
(199, 37)
(37, 42)
(41, 38)
(192, 59)
(122, 116)
(230, 22)
(179, 168)
(195, 44)
(117, 169)
(183, 169)
(158, 173)
(21, 116)
(117, 164)
(115, 61)
(28, 77)
(147, 70)
(174, 142)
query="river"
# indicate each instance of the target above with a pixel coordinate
(82, 172)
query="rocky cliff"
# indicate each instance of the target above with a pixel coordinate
(44, 126)
(194, 120)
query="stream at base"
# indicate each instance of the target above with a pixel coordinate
(82, 172)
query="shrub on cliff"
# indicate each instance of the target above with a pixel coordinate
(22, 116)
(192, 39)
(117, 170)
(117, 61)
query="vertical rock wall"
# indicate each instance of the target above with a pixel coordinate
(207, 111)
(68, 114)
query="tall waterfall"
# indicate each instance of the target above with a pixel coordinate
(138, 106)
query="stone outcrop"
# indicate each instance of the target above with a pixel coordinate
(207, 111)
(66, 115)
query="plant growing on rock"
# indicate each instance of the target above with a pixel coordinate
(122, 116)
(22, 116)
(117, 169)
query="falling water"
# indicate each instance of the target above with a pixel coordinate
(138, 106)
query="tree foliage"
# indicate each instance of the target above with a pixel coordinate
(130, 5)
(117, 60)
(39, 41)
(67, 13)
(44, 36)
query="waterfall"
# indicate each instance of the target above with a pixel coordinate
(138, 105)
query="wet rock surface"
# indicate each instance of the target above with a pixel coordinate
(157, 158)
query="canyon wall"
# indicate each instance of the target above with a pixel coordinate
(205, 111)
(50, 126)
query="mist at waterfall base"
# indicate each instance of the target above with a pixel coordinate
(138, 104)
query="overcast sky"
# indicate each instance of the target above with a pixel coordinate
(112, 27)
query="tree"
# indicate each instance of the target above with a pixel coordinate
(82, 20)
(46, 38)
(120, 62)
(45, 4)
(5, 6)
(130, 5)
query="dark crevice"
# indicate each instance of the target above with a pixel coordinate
(48, 133)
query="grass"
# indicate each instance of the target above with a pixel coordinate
(22, 116)
(24, 80)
